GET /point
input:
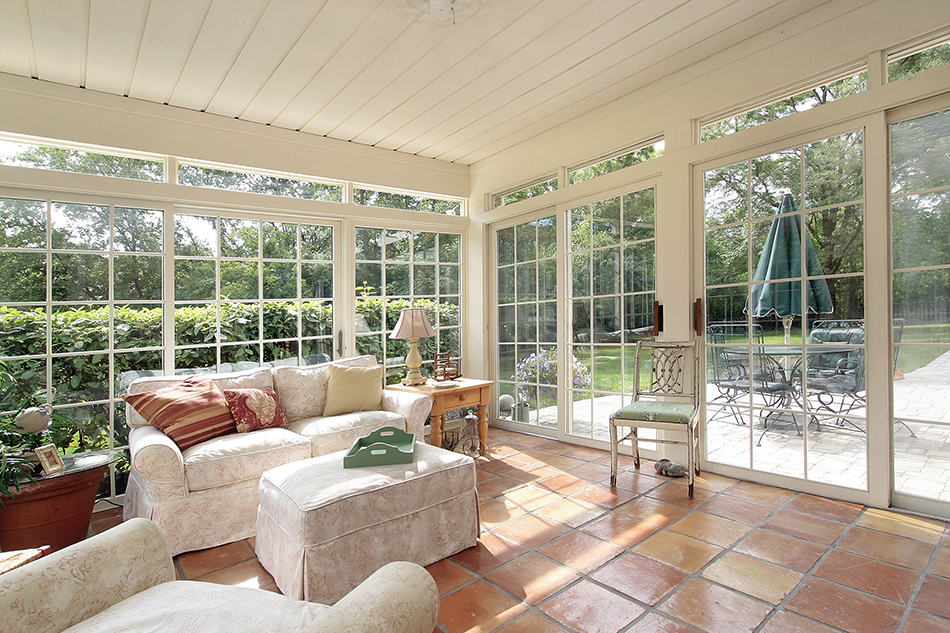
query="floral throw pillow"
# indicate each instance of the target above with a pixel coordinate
(254, 409)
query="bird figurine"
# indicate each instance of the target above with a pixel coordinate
(505, 404)
(34, 419)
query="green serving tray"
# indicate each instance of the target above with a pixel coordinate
(382, 447)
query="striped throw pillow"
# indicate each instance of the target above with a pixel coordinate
(189, 412)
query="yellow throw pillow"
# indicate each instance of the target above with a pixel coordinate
(353, 389)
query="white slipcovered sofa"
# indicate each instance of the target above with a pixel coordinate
(207, 495)
(123, 581)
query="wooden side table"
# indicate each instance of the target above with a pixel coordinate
(467, 393)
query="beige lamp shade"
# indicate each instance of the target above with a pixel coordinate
(412, 324)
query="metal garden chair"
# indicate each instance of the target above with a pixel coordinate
(669, 401)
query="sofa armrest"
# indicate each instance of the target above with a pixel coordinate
(397, 598)
(414, 407)
(158, 461)
(57, 591)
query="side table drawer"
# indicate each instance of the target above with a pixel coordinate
(459, 399)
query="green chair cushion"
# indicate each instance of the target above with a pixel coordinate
(653, 411)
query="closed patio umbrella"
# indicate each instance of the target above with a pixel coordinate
(781, 258)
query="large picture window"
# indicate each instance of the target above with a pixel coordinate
(81, 289)
(396, 269)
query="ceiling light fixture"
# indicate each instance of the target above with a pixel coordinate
(444, 11)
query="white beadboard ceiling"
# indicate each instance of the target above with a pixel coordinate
(376, 72)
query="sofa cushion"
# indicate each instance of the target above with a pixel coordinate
(352, 389)
(241, 456)
(189, 412)
(186, 606)
(254, 378)
(338, 432)
(302, 391)
(254, 409)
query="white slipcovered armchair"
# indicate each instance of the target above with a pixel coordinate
(207, 494)
(123, 581)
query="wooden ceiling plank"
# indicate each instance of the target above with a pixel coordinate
(387, 93)
(223, 34)
(59, 35)
(170, 32)
(281, 26)
(582, 35)
(613, 83)
(368, 42)
(659, 31)
(115, 36)
(336, 22)
(504, 48)
(16, 39)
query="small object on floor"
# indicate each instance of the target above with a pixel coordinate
(670, 469)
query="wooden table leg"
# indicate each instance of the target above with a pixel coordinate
(435, 429)
(482, 429)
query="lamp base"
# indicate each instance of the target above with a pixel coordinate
(414, 381)
(413, 363)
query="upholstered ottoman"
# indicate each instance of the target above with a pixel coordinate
(323, 529)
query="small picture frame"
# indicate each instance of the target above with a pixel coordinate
(50, 459)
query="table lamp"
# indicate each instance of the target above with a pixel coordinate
(413, 325)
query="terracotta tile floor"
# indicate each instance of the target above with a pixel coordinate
(560, 551)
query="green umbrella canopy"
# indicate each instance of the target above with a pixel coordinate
(781, 258)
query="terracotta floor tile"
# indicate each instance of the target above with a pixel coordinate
(785, 622)
(194, 564)
(639, 577)
(653, 511)
(252, 542)
(715, 609)
(571, 512)
(656, 623)
(592, 472)
(682, 552)
(919, 528)
(604, 495)
(532, 578)
(532, 441)
(636, 482)
(531, 497)
(588, 608)
(920, 622)
(531, 622)
(498, 450)
(782, 549)
(679, 494)
(881, 579)
(497, 485)
(498, 511)
(621, 530)
(738, 509)
(753, 576)
(249, 573)
(845, 608)
(587, 453)
(805, 526)
(825, 508)
(555, 446)
(710, 528)
(581, 551)
(709, 481)
(477, 608)
(887, 547)
(531, 531)
(449, 575)
(562, 462)
(564, 483)
(934, 596)
(480, 473)
(530, 473)
(489, 553)
(769, 495)
(624, 462)
(942, 564)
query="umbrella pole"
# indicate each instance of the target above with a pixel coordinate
(787, 324)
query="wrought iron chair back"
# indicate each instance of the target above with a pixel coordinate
(670, 375)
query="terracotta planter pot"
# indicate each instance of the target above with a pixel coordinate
(54, 512)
